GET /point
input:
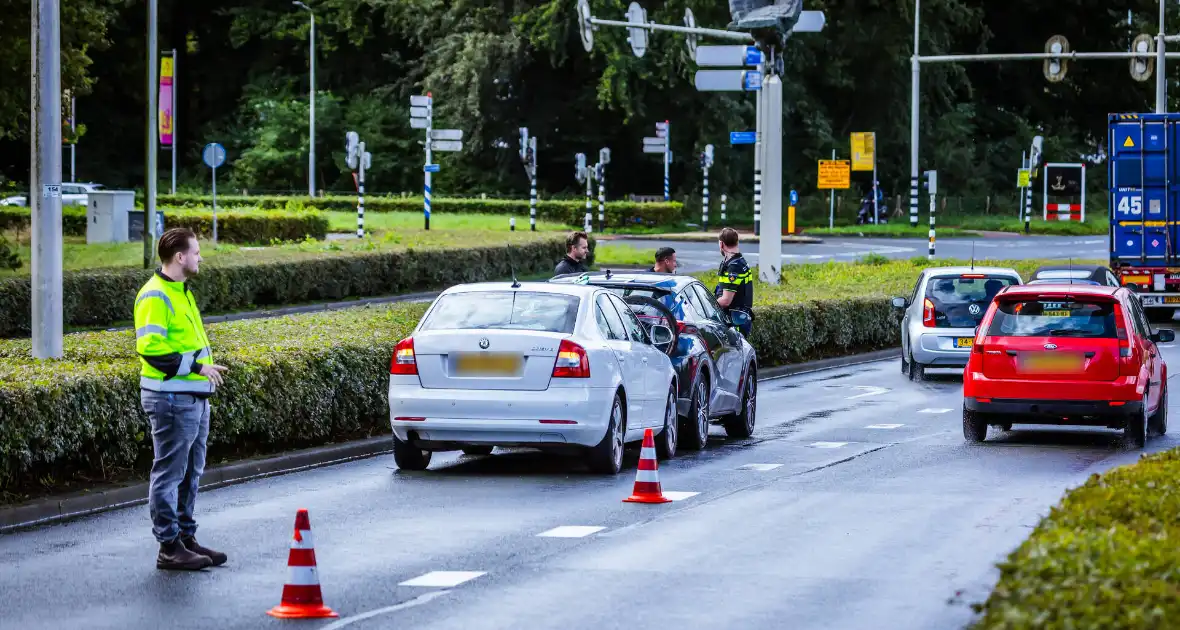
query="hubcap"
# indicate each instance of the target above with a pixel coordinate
(702, 412)
(751, 402)
(670, 424)
(617, 436)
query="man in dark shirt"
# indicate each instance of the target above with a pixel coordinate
(665, 260)
(577, 247)
(735, 286)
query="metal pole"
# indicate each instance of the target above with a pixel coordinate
(1023, 164)
(758, 157)
(360, 205)
(723, 220)
(1035, 56)
(667, 160)
(149, 188)
(832, 202)
(175, 134)
(311, 117)
(74, 144)
(1161, 84)
(876, 210)
(533, 201)
(426, 190)
(45, 184)
(770, 242)
(914, 98)
(214, 205)
(589, 184)
(652, 26)
(933, 205)
(705, 203)
(602, 202)
(1028, 198)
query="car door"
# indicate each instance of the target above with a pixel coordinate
(618, 340)
(1147, 346)
(651, 361)
(732, 360)
(722, 398)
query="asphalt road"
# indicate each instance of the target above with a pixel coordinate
(864, 508)
(703, 256)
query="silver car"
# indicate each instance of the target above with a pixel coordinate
(947, 304)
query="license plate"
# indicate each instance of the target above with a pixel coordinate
(487, 364)
(1150, 299)
(1172, 299)
(1052, 362)
(1062, 313)
(964, 342)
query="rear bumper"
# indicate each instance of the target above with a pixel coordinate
(935, 347)
(1098, 412)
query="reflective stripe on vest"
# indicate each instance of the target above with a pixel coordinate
(159, 294)
(203, 386)
(149, 329)
(188, 359)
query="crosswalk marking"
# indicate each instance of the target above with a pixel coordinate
(572, 531)
(884, 426)
(759, 467)
(679, 496)
(827, 444)
(443, 579)
(932, 410)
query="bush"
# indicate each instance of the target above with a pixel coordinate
(618, 213)
(232, 227)
(8, 256)
(1104, 558)
(73, 220)
(102, 297)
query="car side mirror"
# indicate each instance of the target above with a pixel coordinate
(900, 302)
(661, 336)
(739, 318)
(1164, 336)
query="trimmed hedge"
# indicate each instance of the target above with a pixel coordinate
(101, 297)
(1106, 557)
(569, 212)
(232, 227)
(295, 381)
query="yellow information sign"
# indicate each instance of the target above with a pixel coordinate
(1022, 178)
(864, 151)
(834, 174)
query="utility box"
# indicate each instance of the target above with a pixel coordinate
(106, 215)
(135, 224)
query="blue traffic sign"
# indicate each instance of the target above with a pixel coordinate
(752, 81)
(430, 168)
(753, 56)
(794, 198)
(743, 137)
(213, 155)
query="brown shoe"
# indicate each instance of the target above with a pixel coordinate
(190, 543)
(174, 556)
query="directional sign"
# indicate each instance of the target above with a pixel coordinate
(419, 101)
(752, 81)
(430, 168)
(649, 141)
(662, 126)
(650, 148)
(446, 145)
(419, 112)
(213, 155)
(743, 137)
(726, 80)
(728, 56)
(446, 134)
(417, 123)
(810, 22)
(834, 174)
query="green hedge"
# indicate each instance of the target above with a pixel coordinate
(232, 227)
(294, 381)
(618, 213)
(73, 220)
(101, 297)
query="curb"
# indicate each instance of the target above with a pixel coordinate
(62, 508)
(701, 238)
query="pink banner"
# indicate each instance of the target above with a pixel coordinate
(166, 101)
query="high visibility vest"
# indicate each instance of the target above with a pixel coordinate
(167, 323)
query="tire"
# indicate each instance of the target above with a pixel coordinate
(1158, 424)
(409, 457)
(477, 450)
(974, 426)
(905, 353)
(607, 456)
(1135, 432)
(741, 424)
(646, 307)
(917, 370)
(668, 439)
(694, 433)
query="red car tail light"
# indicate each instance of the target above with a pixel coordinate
(1127, 364)
(572, 361)
(404, 362)
(682, 328)
(928, 313)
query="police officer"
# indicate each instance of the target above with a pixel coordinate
(177, 376)
(577, 248)
(735, 286)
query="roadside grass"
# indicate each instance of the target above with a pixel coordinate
(607, 254)
(892, 230)
(966, 226)
(1094, 225)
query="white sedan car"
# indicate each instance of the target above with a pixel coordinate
(550, 366)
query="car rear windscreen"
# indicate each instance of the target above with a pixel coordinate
(960, 302)
(504, 310)
(1054, 318)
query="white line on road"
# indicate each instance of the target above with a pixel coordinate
(935, 410)
(759, 467)
(868, 390)
(827, 444)
(679, 496)
(417, 601)
(443, 579)
(572, 531)
(884, 426)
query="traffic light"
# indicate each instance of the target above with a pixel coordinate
(580, 167)
(352, 146)
(524, 143)
(930, 181)
(1056, 67)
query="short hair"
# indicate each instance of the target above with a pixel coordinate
(571, 241)
(173, 242)
(664, 253)
(728, 237)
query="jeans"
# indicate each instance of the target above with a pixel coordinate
(180, 428)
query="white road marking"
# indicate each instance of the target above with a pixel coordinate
(868, 390)
(572, 531)
(443, 579)
(679, 496)
(417, 601)
(884, 426)
(938, 410)
(827, 444)
(759, 467)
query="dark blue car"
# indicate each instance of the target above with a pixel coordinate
(716, 366)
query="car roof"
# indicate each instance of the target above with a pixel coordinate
(1090, 268)
(656, 280)
(1058, 289)
(579, 290)
(938, 272)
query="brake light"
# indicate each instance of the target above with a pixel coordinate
(928, 313)
(404, 362)
(572, 361)
(1127, 365)
(972, 275)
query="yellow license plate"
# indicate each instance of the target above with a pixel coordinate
(1063, 313)
(487, 364)
(1171, 299)
(964, 342)
(1052, 362)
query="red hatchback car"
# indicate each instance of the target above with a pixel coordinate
(1068, 355)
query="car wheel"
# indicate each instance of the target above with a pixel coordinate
(409, 457)
(696, 429)
(917, 370)
(607, 456)
(1159, 420)
(974, 426)
(1136, 430)
(667, 439)
(477, 450)
(741, 424)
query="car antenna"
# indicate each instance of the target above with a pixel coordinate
(512, 269)
(972, 254)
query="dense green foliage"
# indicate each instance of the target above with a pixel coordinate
(8, 257)
(232, 227)
(493, 67)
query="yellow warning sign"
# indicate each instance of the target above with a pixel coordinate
(834, 174)
(864, 151)
(1022, 178)
(1129, 142)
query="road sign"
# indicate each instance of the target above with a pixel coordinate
(652, 148)
(430, 168)
(418, 112)
(794, 198)
(1022, 178)
(352, 148)
(419, 101)
(728, 56)
(213, 155)
(604, 155)
(446, 134)
(417, 123)
(585, 28)
(637, 36)
(725, 80)
(1141, 66)
(743, 137)
(752, 81)
(691, 39)
(810, 22)
(835, 174)
(654, 141)
(446, 145)
(864, 151)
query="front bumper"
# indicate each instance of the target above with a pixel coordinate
(1080, 412)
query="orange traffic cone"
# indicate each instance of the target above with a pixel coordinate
(301, 594)
(647, 477)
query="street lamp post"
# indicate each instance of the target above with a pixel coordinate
(311, 114)
(45, 180)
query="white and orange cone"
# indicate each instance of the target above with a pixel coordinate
(302, 598)
(647, 477)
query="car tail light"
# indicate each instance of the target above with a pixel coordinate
(973, 275)
(572, 361)
(682, 328)
(404, 362)
(1127, 365)
(928, 313)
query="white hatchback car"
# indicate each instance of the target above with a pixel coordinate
(551, 366)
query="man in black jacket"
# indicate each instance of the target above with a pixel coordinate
(577, 247)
